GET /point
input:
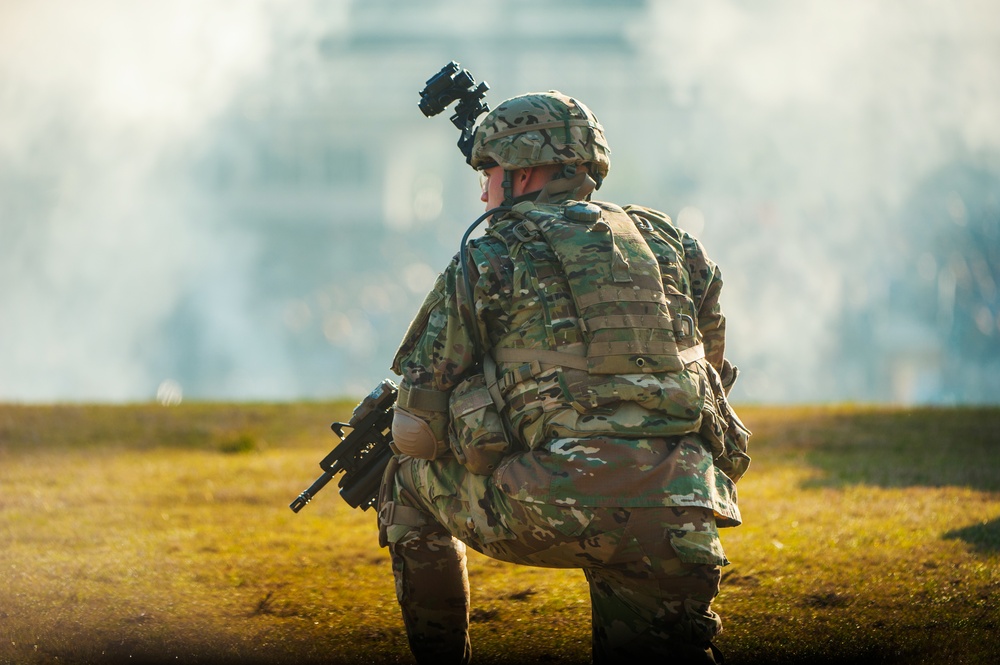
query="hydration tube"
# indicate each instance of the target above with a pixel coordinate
(477, 343)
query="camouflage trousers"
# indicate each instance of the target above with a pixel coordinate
(653, 572)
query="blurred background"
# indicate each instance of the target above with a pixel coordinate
(239, 199)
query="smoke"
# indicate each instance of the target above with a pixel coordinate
(99, 102)
(237, 198)
(814, 123)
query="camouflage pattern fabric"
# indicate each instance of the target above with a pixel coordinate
(653, 572)
(541, 128)
(432, 588)
(436, 353)
(628, 322)
(627, 488)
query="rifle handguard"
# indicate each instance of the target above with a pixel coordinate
(362, 454)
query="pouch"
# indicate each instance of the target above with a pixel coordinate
(476, 433)
(723, 430)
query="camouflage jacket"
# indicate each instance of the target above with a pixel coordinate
(630, 453)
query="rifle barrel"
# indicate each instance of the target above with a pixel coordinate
(309, 493)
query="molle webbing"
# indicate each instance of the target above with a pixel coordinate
(539, 360)
(619, 294)
(616, 285)
(545, 358)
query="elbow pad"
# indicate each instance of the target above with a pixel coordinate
(411, 435)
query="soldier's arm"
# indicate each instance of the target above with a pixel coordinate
(706, 289)
(437, 351)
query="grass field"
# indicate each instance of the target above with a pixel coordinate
(148, 534)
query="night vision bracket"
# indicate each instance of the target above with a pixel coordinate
(452, 84)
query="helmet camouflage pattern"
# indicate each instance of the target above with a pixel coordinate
(541, 128)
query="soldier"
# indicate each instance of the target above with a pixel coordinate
(563, 404)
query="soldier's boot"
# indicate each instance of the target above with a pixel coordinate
(432, 587)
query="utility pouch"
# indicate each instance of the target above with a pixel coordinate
(723, 430)
(476, 432)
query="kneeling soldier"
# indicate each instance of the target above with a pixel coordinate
(563, 404)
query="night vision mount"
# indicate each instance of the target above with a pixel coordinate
(451, 84)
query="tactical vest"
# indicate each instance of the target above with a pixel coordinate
(603, 337)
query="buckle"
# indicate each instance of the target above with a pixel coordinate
(386, 512)
(527, 234)
(686, 325)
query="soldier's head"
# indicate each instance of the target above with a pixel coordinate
(534, 138)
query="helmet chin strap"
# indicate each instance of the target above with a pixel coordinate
(508, 188)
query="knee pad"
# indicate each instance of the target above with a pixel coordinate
(412, 436)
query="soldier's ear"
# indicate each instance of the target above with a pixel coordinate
(519, 179)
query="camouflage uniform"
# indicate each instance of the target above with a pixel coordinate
(625, 475)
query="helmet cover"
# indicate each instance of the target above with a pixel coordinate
(541, 128)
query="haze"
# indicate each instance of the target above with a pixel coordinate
(240, 200)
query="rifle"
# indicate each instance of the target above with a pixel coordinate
(362, 455)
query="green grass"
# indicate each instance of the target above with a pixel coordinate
(151, 534)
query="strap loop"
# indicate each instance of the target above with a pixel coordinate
(424, 399)
(544, 357)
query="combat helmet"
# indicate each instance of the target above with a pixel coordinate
(541, 128)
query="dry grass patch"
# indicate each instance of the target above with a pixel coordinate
(150, 534)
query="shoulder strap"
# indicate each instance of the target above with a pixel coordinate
(469, 314)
